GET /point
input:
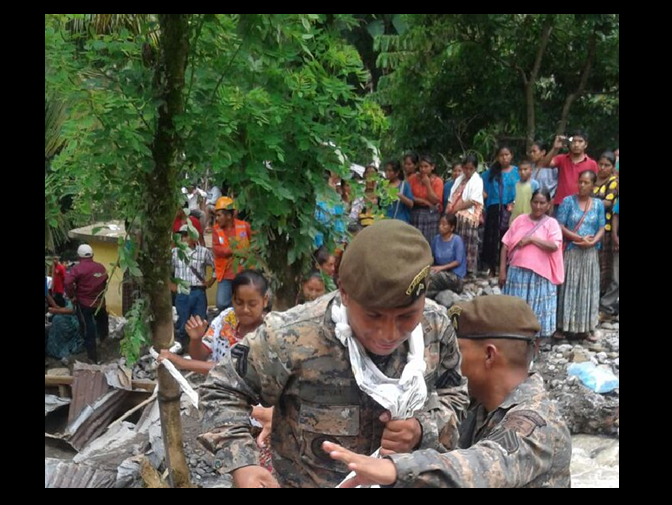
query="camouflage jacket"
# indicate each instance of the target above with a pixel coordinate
(295, 363)
(522, 444)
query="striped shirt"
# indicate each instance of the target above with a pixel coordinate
(198, 258)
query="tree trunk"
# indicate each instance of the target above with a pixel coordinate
(585, 73)
(160, 210)
(287, 275)
(531, 82)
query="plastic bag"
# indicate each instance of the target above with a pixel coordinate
(595, 378)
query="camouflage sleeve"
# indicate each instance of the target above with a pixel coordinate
(255, 371)
(446, 408)
(520, 450)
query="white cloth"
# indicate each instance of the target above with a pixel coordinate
(192, 395)
(473, 192)
(403, 397)
(214, 194)
(193, 199)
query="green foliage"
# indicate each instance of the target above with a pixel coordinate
(271, 104)
(455, 79)
(136, 332)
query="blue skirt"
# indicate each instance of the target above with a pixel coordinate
(539, 293)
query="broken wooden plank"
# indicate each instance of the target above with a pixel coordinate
(58, 381)
(151, 476)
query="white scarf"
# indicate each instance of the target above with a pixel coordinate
(403, 397)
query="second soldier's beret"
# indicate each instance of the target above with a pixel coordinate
(494, 317)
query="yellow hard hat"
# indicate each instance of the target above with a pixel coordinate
(225, 203)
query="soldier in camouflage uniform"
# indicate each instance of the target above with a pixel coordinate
(514, 437)
(295, 363)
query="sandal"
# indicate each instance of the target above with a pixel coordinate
(558, 335)
(590, 337)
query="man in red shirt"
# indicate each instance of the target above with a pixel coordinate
(570, 165)
(85, 285)
(58, 286)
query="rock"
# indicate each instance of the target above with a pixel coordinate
(564, 350)
(579, 356)
(609, 457)
(600, 335)
(613, 344)
(447, 298)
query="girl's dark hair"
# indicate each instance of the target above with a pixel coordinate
(543, 146)
(396, 168)
(427, 159)
(60, 300)
(450, 218)
(496, 169)
(413, 156)
(322, 255)
(593, 175)
(252, 278)
(314, 274)
(610, 156)
(543, 191)
(472, 158)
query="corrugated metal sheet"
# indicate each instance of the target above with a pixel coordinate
(67, 475)
(89, 384)
(94, 420)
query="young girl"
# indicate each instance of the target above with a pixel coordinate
(401, 209)
(313, 287)
(207, 346)
(428, 196)
(607, 190)
(499, 185)
(450, 262)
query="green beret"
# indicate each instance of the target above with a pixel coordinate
(495, 317)
(386, 266)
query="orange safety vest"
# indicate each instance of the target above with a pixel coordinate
(224, 266)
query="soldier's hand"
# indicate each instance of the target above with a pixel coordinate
(253, 477)
(369, 470)
(400, 437)
(265, 417)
